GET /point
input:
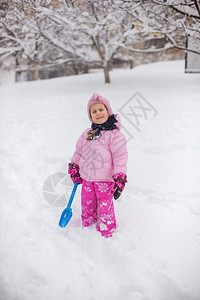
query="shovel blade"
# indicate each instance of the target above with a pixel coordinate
(65, 217)
(67, 212)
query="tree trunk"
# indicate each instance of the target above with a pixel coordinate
(16, 66)
(35, 69)
(106, 74)
(35, 72)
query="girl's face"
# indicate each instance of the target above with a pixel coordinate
(99, 113)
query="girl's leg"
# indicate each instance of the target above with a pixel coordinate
(88, 204)
(106, 222)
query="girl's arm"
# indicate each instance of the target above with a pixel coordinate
(120, 157)
(119, 153)
(78, 151)
(73, 169)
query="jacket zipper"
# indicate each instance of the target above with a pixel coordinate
(91, 154)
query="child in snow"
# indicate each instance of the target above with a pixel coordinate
(99, 163)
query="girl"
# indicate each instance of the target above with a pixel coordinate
(99, 163)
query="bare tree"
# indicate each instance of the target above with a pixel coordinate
(38, 33)
(17, 40)
(92, 30)
(175, 19)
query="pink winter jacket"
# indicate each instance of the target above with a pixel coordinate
(103, 157)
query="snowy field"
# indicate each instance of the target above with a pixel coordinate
(155, 251)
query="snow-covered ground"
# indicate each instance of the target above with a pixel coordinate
(155, 251)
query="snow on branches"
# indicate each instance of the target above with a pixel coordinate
(37, 33)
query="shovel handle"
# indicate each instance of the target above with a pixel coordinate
(72, 194)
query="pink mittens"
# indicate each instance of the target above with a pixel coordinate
(120, 179)
(73, 171)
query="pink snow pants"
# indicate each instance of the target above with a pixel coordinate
(97, 206)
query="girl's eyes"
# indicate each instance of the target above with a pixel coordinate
(94, 111)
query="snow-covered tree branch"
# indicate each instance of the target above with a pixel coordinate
(45, 32)
(175, 19)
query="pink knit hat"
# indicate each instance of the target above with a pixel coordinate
(96, 98)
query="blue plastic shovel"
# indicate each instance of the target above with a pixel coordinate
(67, 212)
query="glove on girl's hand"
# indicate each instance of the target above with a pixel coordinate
(73, 171)
(120, 179)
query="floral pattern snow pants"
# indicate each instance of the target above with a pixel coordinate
(97, 206)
